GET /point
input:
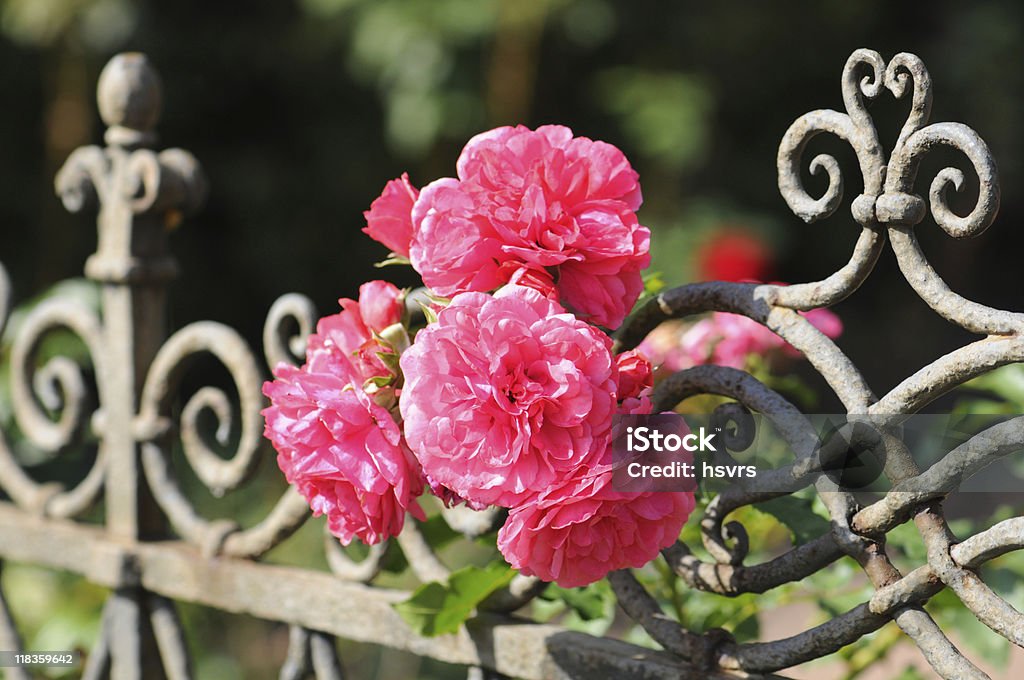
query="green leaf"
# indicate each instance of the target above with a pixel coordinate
(589, 603)
(378, 381)
(747, 629)
(1007, 382)
(429, 313)
(797, 515)
(439, 608)
(437, 533)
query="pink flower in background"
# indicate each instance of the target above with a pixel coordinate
(539, 200)
(337, 442)
(389, 219)
(506, 394)
(725, 340)
(576, 532)
(824, 320)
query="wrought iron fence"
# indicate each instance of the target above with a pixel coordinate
(153, 546)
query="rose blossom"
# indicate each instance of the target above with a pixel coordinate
(735, 254)
(562, 208)
(337, 442)
(506, 394)
(578, 531)
(389, 219)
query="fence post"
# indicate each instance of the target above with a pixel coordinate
(141, 196)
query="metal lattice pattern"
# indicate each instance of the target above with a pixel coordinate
(138, 373)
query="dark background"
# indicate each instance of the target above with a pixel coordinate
(300, 111)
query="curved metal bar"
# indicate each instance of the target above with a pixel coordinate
(82, 178)
(752, 393)
(345, 567)
(421, 557)
(324, 653)
(947, 372)
(971, 316)
(989, 608)
(904, 69)
(729, 579)
(645, 610)
(208, 535)
(794, 142)
(941, 478)
(1001, 538)
(756, 302)
(290, 512)
(856, 128)
(870, 86)
(58, 385)
(903, 167)
(21, 488)
(161, 386)
(279, 344)
(840, 285)
(82, 496)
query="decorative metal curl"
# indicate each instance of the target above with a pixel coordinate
(58, 386)
(82, 178)
(280, 345)
(160, 389)
(887, 203)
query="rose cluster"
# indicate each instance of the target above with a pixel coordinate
(507, 396)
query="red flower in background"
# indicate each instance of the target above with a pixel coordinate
(735, 255)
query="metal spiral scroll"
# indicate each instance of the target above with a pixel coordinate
(886, 205)
(59, 387)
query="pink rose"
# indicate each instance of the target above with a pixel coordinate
(507, 394)
(343, 452)
(350, 334)
(389, 219)
(578, 531)
(337, 442)
(540, 199)
(635, 374)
